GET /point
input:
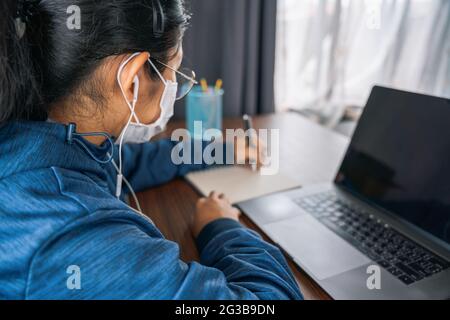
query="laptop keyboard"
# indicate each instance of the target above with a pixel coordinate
(400, 256)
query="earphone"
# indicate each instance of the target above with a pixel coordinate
(120, 177)
(136, 89)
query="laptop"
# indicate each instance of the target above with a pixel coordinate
(381, 230)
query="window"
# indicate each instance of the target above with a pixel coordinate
(330, 53)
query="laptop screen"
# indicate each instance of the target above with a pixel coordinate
(399, 158)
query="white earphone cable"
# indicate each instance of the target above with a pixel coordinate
(132, 106)
(135, 198)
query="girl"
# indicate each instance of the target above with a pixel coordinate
(78, 105)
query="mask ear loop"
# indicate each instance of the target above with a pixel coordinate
(132, 107)
(164, 81)
(119, 73)
(157, 72)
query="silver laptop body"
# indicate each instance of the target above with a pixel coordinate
(382, 229)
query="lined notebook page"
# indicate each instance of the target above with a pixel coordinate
(239, 183)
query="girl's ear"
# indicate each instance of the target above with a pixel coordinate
(131, 72)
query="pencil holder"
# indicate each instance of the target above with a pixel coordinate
(204, 111)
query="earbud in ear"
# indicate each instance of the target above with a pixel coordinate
(136, 88)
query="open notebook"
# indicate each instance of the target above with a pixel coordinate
(239, 183)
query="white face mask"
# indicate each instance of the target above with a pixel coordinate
(135, 131)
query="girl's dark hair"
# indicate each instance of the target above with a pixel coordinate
(51, 61)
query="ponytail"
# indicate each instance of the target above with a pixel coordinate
(19, 90)
(51, 62)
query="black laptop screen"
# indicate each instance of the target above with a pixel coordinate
(399, 158)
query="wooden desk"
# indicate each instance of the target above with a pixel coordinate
(172, 206)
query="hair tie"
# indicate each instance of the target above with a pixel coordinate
(159, 19)
(26, 9)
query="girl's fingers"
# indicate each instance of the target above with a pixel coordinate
(224, 198)
(213, 195)
(256, 152)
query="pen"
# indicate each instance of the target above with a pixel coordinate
(204, 85)
(248, 127)
(219, 84)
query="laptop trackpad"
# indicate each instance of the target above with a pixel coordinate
(323, 253)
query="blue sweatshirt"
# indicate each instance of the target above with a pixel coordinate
(64, 235)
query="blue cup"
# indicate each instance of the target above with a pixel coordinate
(205, 108)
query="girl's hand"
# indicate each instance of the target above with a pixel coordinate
(212, 208)
(245, 153)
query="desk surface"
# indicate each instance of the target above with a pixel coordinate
(315, 157)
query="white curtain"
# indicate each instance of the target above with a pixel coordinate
(330, 53)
